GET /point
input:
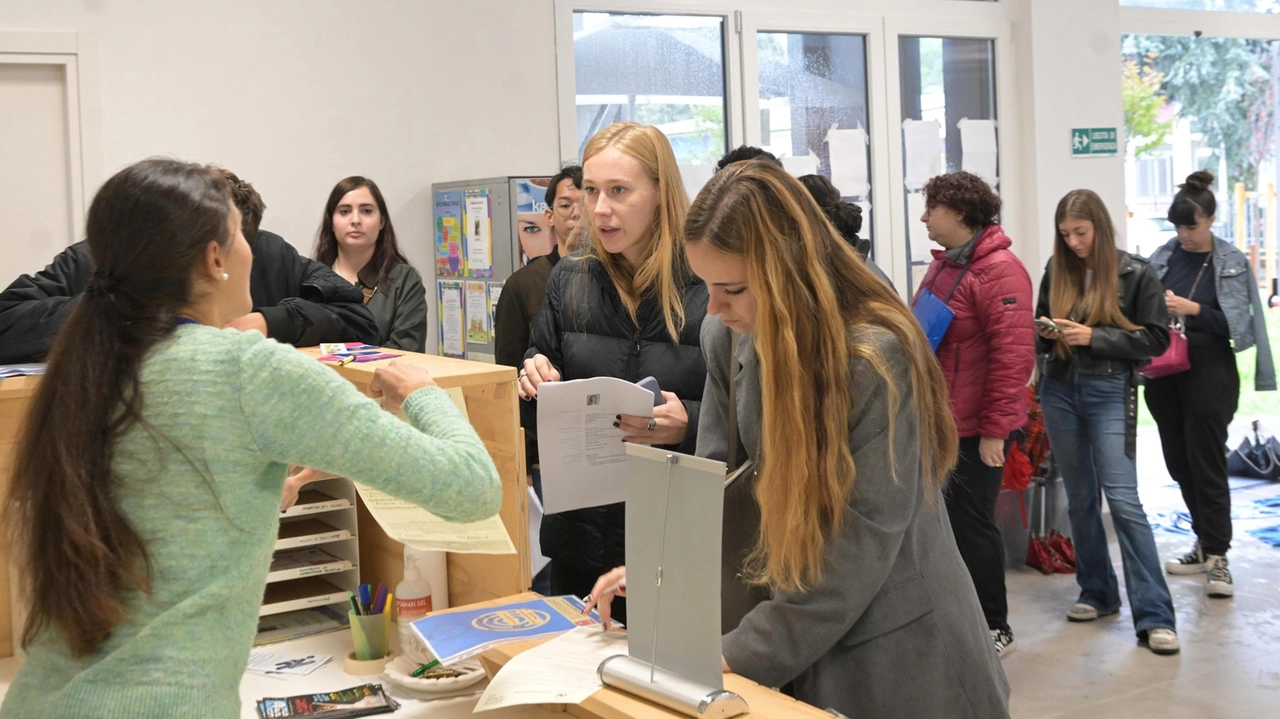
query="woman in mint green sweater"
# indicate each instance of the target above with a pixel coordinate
(146, 489)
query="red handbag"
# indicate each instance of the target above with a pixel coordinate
(1175, 359)
(1017, 470)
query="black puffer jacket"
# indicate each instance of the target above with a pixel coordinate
(304, 302)
(585, 331)
(1114, 350)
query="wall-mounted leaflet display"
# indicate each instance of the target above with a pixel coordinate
(450, 256)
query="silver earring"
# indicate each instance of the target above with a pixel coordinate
(225, 277)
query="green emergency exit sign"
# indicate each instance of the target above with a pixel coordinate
(1089, 141)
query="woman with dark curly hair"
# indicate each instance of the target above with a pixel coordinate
(989, 291)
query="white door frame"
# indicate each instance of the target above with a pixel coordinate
(77, 54)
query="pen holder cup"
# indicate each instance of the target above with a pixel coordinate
(371, 637)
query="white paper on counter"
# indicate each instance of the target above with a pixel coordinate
(979, 154)
(917, 233)
(802, 165)
(848, 150)
(536, 560)
(407, 523)
(922, 143)
(562, 671)
(583, 458)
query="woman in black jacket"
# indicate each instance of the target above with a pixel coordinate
(1102, 316)
(628, 307)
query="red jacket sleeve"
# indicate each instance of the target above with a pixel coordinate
(1006, 315)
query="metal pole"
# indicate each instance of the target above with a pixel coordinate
(1241, 220)
(1271, 233)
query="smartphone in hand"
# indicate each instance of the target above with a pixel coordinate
(1047, 324)
(651, 384)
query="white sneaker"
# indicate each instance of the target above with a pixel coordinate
(1083, 612)
(1163, 641)
(1219, 584)
(1192, 562)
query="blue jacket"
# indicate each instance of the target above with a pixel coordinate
(1238, 296)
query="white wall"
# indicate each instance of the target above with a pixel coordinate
(1074, 50)
(294, 95)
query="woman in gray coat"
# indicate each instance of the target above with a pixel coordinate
(844, 413)
(357, 240)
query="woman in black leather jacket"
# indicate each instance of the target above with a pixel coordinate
(1092, 344)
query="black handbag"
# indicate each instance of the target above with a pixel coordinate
(1258, 457)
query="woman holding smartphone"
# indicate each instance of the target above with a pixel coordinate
(1102, 315)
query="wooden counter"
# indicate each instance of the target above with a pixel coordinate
(15, 395)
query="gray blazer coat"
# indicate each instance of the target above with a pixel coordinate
(893, 629)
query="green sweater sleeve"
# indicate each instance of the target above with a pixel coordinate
(301, 412)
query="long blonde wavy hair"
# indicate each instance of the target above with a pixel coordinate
(817, 306)
(1099, 305)
(664, 270)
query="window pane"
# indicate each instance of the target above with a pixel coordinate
(948, 90)
(1266, 6)
(1200, 104)
(810, 84)
(663, 70)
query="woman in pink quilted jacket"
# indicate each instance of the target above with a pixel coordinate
(987, 355)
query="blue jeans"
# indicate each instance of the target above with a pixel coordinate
(1084, 418)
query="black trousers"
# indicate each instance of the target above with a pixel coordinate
(568, 579)
(1192, 410)
(971, 496)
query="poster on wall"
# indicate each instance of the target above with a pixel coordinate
(532, 228)
(495, 291)
(477, 227)
(450, 261)
(478, 322)
(452, 339)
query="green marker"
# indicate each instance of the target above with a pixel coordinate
(424, 668)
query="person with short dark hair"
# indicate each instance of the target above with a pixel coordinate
(1208, 283)
(846, 217)
(357, 240)
(742, 153)
(296, 300)
(521, 301)
(987, 355)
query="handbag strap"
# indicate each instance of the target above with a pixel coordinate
(1208, 258)
(963, 270)
(733, 403)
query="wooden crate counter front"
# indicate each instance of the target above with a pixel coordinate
(15, 396)
(492, 404)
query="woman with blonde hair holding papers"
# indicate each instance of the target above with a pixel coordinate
(627, 307)
(145, 486)
(843, 410)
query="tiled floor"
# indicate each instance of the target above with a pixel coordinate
(1230, 661)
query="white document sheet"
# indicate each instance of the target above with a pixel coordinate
(848, 161)
(917, 233)
(562, 671)
(922, 142)
(978, 149)
(584, 461)
(801, 165)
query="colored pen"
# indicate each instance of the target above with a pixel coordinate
(387, 610)
(423, 669)
(379, 598)
(346, 361)
(364, 598)
(355, 606)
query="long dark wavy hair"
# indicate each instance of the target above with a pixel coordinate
(386, 253)
(148, 228)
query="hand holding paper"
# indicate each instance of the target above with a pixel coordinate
(671, 424)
